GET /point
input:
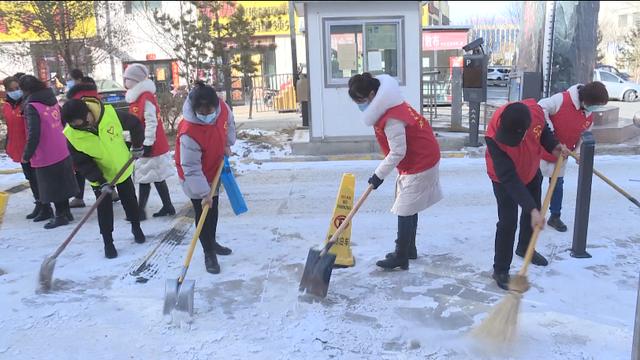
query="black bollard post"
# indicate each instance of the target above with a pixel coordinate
(583, 199)
(635, 351)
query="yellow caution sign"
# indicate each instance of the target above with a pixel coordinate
(344, 204)
(4, 199)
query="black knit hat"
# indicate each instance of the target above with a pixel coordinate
(74, 109)
(514, 122)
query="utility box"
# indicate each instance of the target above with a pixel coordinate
(525, 85)
(474, 77)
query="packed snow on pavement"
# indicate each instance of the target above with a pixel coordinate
(576, 308)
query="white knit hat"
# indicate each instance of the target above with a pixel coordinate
(136, 72)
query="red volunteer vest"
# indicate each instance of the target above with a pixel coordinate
(526, 156)
(568, 125)
(212, 140)
(87, 93)
(16, 131)
(423, 151)
(161, 146)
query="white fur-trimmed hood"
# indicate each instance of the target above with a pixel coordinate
(134, 93)
(388, 96)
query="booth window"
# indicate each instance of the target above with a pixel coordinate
(354, 46)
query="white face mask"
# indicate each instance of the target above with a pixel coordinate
(207, 119)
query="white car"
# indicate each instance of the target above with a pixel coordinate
(617, 87)
(498, 74)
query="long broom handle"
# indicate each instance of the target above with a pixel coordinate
(196, 234)
(545, 205)
(347, 220)
(611, 183)
(92, 209)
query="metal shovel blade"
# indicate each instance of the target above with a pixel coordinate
(45, 277)
(170, 295)
(317, 273)
(178, 296)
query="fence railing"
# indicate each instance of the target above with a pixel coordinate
(269, 92)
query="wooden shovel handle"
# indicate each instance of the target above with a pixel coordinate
(611, 183)
(93, 208)
(196, 234)
(347, 220)
(545, 205)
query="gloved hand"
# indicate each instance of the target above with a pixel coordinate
(106, 188)
(137, 152)
(147, 150)
(375, 181)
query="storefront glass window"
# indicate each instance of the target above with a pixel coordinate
(356, 46)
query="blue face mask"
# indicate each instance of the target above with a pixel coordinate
(592, 108)
(207, 119)
(15, 95)
(70, 84)
(363, 106)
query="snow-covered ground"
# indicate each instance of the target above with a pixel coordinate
(576, 308)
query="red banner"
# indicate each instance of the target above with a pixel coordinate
(443, 40)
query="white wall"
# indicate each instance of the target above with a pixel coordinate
(333, 114)
(283, 52)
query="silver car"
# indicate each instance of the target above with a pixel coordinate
(617, 87)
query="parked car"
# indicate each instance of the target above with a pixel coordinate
(617, 87)
(498, 74)
(614, 71)
(112, 93)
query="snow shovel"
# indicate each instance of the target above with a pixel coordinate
(317, 270)
(611, 183)
(234, 194)
(45, 278)
(178, 293)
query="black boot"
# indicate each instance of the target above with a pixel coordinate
(556, 223)
(36, 211)
(110, 251)
(46, 213)
(167, 206)
(413, 252)
(537, 258)
(58, 220)
(138, 235)
(211, 263)
(144, 190)
(221, 250)
(62, 215)
(502, 279)
(401, 257)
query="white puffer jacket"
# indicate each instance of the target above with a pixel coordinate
(414, 192)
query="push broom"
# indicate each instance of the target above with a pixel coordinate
(500, 325)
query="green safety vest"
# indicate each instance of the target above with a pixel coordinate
(107, 149)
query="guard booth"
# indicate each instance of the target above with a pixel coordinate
(345, 38)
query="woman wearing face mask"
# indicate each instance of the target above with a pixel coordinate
(46, 150)
(75, 77)
(205, 135)
(155, 166)
(408, 143)
(17, 138)
(569, 115)
(94, 133)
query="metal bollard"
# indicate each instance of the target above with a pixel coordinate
(583, 199)
(456, 98)
(635, 350)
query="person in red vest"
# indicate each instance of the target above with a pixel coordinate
(568, 114)
(516, 137)
(155, 166)
(408, 143)
(205, 134)
(17, 136)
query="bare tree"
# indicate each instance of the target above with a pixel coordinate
(69, 27)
